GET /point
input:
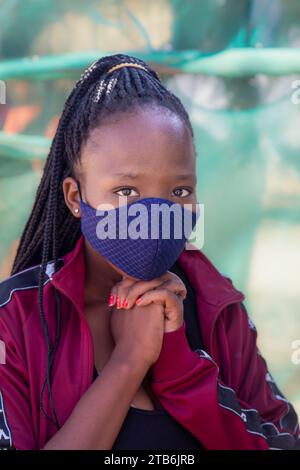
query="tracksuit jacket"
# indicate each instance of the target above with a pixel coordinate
(223, 394)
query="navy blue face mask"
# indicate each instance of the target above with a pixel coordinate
(141, 241)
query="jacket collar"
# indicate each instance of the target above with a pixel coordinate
(211, 286)
(70, 278)
(213, 290)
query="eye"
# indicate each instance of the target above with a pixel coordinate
(182, 192)
(127, 192)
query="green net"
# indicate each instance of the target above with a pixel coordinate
(235, 66)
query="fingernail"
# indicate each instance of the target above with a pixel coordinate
(138, 301)
(125, 303)
(118, 302)
(111, 300)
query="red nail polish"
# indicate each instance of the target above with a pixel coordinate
(118, 302)
(138, 301)
(111, 300)
(125, 303)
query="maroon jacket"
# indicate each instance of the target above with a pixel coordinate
(223, 394)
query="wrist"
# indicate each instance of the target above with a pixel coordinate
(176, 357)
(171, 327)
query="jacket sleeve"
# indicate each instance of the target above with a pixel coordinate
(16, 429)
(196, 392)
(253, 382)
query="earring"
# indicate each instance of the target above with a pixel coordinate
(76, 210)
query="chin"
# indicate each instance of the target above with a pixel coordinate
(129, 277)
(123, 273)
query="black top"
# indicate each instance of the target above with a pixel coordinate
(157, 429)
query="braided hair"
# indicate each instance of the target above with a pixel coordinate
(51, 230)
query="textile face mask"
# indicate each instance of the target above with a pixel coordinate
(143, 238)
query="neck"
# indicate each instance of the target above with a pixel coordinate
(100, 276)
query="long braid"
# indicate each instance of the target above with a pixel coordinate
(50, 235)
(51, 230)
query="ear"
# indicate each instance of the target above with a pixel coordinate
(71, 196)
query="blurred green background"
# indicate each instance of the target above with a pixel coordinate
(235, 65)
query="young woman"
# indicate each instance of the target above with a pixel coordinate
(135, 344)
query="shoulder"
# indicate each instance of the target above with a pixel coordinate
(212, 286)
(26, 281)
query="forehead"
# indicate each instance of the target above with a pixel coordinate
(148, 138)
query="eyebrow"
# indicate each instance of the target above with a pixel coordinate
(182, 176)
